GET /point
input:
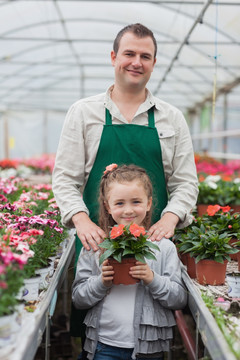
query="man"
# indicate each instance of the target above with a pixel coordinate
(127, 104)
(125, 125)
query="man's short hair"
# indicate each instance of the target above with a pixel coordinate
(138, 30)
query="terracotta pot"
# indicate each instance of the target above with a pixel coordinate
(202, 209)
(233, 256)
(121, 271)
(236, 208)
(210, 272)
(191, 267)
(183, 258)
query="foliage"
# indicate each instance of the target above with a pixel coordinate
(29, 234)
(225, 324)
(222, 221)
(11, 280)
(128, 241)
(208, 237)
(214, 190)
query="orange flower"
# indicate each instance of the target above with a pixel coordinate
(225, 208)
(110, 168)
(137, 230)
(212, 209)
(201, 178)
(116, 231)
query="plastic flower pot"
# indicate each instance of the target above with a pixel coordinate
(121, 271)
(202, 209)
(191, 267)
(210, 272)
(45, 275)
(31, 288)
(233, 280)
(7, 335)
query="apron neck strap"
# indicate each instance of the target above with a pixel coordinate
(151, 121)
(108, 118)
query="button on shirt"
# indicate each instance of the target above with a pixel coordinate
(79, 143)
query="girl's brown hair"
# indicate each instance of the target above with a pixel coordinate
(121, 174)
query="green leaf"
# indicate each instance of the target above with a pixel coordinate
(128, 252)
(152, 245)
(150, 256)
(140, 257)
(105, 256)
(118, 257)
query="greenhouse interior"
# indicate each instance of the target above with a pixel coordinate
(60, 70)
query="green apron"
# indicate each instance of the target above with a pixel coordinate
(124, 144)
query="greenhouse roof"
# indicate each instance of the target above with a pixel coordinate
(54, 52)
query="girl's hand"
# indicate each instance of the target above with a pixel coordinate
(107, 274)
(142, 271)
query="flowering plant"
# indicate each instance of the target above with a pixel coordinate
(208, 237)
(214, 190)
(220, 219)
(128, 241)
(13, 256)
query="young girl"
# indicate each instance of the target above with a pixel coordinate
(128, 321)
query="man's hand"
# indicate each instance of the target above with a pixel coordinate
(107, 274)
(142, 272)
(88, 232)
(164, 227)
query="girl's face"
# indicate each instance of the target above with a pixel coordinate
(128, 202)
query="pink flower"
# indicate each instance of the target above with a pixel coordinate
(2, 269)
(35, 232)
(58, 229)
(3, 285)
(110, 168)
(3, 198)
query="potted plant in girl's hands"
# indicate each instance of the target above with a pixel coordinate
(126, 245)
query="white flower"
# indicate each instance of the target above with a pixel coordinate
(212, 178)
(236, 181)
(212, 185)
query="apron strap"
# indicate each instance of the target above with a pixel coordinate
(108, 117)
(151, 121)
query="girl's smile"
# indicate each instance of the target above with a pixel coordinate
(128, 202)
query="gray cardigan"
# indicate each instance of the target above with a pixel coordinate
(153, 317)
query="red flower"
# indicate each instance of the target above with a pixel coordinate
(225, 208)
(116, 231)
(136, 230)
(212, 209)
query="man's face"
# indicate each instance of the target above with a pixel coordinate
(134, 61)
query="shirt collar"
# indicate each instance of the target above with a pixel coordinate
(145, 106)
